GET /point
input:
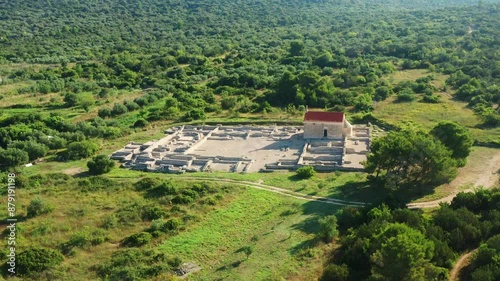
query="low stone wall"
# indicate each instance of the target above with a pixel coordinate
(180, 157)
(175, 162)
(326, 150)
(323, 158)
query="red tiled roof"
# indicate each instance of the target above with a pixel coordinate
(324, 116)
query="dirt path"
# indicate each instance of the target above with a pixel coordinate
(282, 191)
(486, 176)
(461, 263)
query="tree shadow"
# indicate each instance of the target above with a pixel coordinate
(84, 174)
(405, 194)
(17, 218)
(295, 178)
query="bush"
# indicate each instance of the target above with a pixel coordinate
(38, 207)
(118, 109)
(166, 188)
(327, 228)
(152, 212)
(137, 240)
(171, 225)
(137, 264)
(140, 123)
(406, 96)
(194, 114)
(104, 112)
(430, 99)
(182, 199)
(84, 239)
(12, 157)
(36, 260)
(100, 164)
(147, 183)
(305, 172)
(80, 150)
(110, 222)
(335, 272)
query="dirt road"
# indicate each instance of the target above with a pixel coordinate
(461, 263)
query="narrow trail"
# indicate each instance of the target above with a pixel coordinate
(461, 263)
(282, 191)
(487, 177)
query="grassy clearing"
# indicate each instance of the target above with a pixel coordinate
(409, 74)
(276, 228)
(340, 185)
(426, 115)
(279, 229)
(74, 212)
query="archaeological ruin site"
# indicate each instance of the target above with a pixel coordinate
(326, 141)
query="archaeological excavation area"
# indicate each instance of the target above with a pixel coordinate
(245, 148)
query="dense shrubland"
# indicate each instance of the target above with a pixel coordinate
(190, 60)
(400, 244)
(143, 215)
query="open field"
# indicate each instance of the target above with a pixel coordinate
(427, 115)
(279, 229)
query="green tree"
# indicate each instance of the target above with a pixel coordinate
(71, 99)
(334, 272)
(297, 48)
(80, 150)
(118, 109)
(12, 157)
(36, 260)
(404, 255)
(324, 60)
(194, 114)
(363, 103)
(104, 112)
(411, 157)
(456, 138)
(327, 228)
(100, 164)
(35, 150)
(382, 93)
(137, 240)
(305, 172)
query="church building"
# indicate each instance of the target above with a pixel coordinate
(326, 125)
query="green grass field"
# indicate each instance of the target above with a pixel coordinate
(427, 115)
(279, 229)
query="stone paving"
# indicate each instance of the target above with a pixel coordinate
(243, 149)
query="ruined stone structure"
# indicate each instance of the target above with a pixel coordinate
(326, 125)
(327, 142)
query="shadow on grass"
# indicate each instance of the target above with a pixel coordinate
(17, 219)
(406, 194)
(304, 245)
(295, 178)
(359, 191)
(230, 266)
(82, 175)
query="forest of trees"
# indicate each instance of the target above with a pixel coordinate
(196, 58)
(402, 245)
(103, 69)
